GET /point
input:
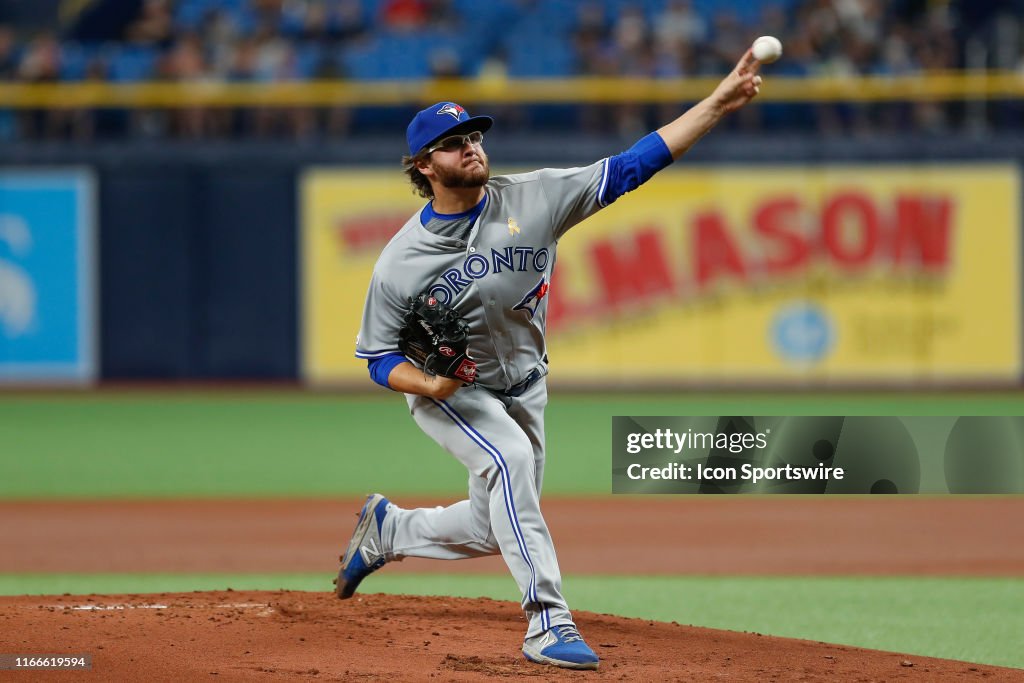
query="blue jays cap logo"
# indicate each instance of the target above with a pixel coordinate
(432, 124)
(453, 109)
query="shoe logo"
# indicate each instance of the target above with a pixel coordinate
(370, 552)
(546, 640)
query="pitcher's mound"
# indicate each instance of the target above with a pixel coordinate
(285, 635)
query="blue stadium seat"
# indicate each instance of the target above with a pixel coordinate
(291, 24)
(133, 63)
(189, 13)
(362, 61)
(553, 17)
(308, 57)
(479, 13)
(529, 57)
(748, 12)
(73, 61)
(76, 57)
(404, 56)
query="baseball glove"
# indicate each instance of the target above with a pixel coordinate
(437, 338)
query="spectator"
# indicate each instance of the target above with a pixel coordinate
(631, 40)
(264, 13)
(8, 54)
(328, 22)
(274, 40)
(220, 33)
(444, 63)
(633, 55)
(187, 63)
(680, 24)
(442, 15)
(243, 61)
(154, 26)
(728, 37)
(41, 64)
(311, 21)
(404, 15)
(591, 21)
(349, 21)
(8, 71)
(590, 40)
(276, 60)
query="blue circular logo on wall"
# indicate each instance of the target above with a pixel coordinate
(802, 332)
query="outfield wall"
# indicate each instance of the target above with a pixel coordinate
(764, 260)
(810, 274)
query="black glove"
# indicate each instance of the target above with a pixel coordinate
(437, 338)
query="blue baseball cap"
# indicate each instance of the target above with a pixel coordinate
(441, 120)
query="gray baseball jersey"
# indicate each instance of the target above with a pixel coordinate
(495, 271)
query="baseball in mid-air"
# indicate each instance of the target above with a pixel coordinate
(767, 49)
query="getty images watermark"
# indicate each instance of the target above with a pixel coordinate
(931, 454)
(732, 454)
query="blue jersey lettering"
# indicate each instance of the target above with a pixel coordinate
(476, 266)
(500, 260)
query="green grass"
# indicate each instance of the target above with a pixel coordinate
(975, 620)
(141, 444)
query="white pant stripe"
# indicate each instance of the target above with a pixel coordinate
(509, 504)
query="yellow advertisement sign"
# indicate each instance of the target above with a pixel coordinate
(740, 275)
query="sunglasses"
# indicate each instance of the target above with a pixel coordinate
(453, 143)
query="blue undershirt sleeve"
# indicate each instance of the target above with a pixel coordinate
(632, 168)
(381, 367)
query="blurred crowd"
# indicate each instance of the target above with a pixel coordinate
(265, 41)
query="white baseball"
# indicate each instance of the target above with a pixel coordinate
(767, 49)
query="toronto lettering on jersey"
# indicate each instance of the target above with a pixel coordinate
(476, 266)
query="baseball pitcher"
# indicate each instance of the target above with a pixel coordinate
(455, 320)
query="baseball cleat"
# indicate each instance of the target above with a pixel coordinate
(365, 553)
(560, 646)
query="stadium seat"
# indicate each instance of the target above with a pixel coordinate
(132, 63)
(75, 59)
(308, 57)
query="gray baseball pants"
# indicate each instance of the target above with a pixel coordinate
(500, 440)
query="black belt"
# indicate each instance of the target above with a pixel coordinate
(521, 388)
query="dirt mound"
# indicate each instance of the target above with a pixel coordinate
(288, 635)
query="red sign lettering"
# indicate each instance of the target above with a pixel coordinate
(633, 270)
(922, 231)
(851, 230)
(369, 232)
(779, 221)
(714, 252)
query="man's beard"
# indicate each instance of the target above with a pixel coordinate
(464, 176)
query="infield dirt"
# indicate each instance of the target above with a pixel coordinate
(670, 535)
(250, 636)
(245, 635)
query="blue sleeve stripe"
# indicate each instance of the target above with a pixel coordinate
(374, 354)
(634, 167)
(604, 185)
(380, 368)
